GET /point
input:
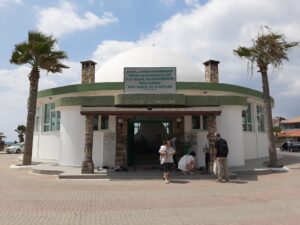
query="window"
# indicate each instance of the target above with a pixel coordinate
(37, 120)
(137, 127)
(196, 122)
(247, 118)
(96, 122)
(104, 122)
(260, 118)
(200, 122)
(51, 118)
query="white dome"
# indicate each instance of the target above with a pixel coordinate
(113, 69)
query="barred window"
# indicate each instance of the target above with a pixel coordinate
(51, 118)
(247, 119)
(260, 118)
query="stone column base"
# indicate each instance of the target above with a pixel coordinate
(87, 167)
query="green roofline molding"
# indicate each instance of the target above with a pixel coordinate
(152, 100)
(85, 101)
(119, 86)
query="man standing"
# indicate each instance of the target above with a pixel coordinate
(221, 157)
(206, 150)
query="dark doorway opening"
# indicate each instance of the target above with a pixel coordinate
(145, 136)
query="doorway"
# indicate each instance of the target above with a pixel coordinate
(145, 136)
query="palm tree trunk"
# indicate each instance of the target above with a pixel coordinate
(31, 110)
(268, 114)
(88, 164)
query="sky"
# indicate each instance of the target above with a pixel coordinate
(101, 29)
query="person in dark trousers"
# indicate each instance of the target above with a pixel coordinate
(221, 158)
(207, 157)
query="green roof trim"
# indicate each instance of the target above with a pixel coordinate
(201, 86)
(215, 100)
(85, 101)
(75, 88)
(152, 100)
(218, 87)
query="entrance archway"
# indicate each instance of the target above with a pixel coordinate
(145, 136)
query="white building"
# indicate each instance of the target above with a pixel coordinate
(163, 95)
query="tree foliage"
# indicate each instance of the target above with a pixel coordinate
(21, 130)
(39, 52)
(268, 49)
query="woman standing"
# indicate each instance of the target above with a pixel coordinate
(166, 159)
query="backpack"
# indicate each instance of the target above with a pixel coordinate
(223, 148)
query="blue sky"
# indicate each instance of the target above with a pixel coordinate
(100, 29)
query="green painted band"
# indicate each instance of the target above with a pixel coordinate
(153, 100)
(150, 99)
(201, 86)
(85, 101)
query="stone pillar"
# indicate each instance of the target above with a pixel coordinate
(88, 72)
(178, 132)
(212, 129)
(88, 164)
(211, 71)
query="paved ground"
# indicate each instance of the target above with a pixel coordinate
(257, 198)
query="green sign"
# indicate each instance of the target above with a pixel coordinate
(154, 80)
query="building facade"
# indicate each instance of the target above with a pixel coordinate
(290, 129)
(156, 94)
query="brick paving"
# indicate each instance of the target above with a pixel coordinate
(255, 199)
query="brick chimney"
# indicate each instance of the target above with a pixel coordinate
(88, 71)
(211, 71)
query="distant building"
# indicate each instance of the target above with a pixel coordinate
(290, 129)
(141, 97)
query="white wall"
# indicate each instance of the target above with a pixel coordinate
(202, 141)
(255, 145)
(229, 125)
(35, 146)
(250, 145)
(104, 145)
(72, 131)
(98, 149)
(49, 146)
(263, 144)
(200, 138)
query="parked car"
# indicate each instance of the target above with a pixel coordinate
(16, 148)
(290, 145)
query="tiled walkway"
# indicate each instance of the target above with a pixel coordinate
(255, 199)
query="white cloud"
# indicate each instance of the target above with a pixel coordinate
(4, 3)
(213, 30)
(108, 49)
(14, 90)
(63, 20)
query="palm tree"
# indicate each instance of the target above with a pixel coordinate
(38, 51)
(269, 49)
(21, 129)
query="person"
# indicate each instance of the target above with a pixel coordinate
(187, 163)
(221, 157)
(173, 144)
(166, 159)
(284, 146)
(207, 157)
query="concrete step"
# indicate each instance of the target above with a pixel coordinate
(83, 176)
